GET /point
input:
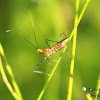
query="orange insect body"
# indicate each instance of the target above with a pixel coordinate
(48, 52)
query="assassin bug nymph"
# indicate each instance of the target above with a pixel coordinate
(49, 51)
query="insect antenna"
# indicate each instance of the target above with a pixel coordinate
(33, 28)
(22, 37)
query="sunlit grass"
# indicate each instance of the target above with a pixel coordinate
(70, 37)
(14, 87)
(70, 85)
(15, 92)
(89, 96)
(97, 93)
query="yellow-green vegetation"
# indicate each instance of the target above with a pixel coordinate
(15, 92)
(78, 20)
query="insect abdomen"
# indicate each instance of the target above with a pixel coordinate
(59, 46)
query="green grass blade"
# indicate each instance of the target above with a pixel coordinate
(41, 94)
(16, 93)
(1, 50)
(98, 91)
(16, 88)
(89, 97)
(79, 19)
(6, 81)
(73, 54)
(70, 37)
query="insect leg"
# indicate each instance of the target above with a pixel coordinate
(60, 36)
(54, 60)
(68, 54)
(48, 44)
(59, 41)
(49, 40)
(39, 64)
(42, 73)
(49, 63)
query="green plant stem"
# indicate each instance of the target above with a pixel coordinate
(40, 96)
(70, 37)
(79, 19)
(16, 93)
(7, 82)
(89, 97)
(16, 88)
(97, 87)
(73, 54)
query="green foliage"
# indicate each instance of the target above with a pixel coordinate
(50, 18)
(74, 31)
(15, 92)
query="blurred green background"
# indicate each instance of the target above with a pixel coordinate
(51, 17)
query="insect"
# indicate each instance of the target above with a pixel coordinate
(49, 51)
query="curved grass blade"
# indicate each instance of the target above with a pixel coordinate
(15, 92)
(70, 37)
